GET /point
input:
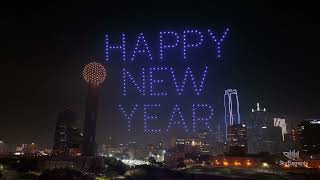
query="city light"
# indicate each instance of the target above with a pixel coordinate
(134, 162)
(265, 165)
(18, 153)
(236, 163)
(225, 163)
(248, 163)
(217, 162)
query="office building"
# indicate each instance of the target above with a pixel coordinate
(68, 137)
(237, 139)
(205, 145)
(257, 131)
(309, 133)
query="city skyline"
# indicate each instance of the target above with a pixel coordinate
(263, 61)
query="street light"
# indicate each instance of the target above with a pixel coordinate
(265, 165)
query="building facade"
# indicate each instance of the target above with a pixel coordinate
(231, 109)
(257, 131)
(68, 137)
(309, 132)
(189, 145)
(237, 140)
(205, 145)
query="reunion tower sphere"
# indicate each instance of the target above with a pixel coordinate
(94, 73)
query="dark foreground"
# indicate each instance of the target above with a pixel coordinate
(216, 174)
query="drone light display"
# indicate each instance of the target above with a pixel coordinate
(146, 83)
(142, 47)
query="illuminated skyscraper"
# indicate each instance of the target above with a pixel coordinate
(280, 122)
(94, 74)
(257, 130)
(231, 108)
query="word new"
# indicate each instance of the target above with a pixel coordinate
(128, 78)
(176, 118)
(167, 40)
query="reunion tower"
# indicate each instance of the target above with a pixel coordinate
(94, 74)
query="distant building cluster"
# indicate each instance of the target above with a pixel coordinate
(132, 150)
(68, 137)
(238, 142)
(263, 134)
(31, 149)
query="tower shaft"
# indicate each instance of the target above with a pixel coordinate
(91, 114)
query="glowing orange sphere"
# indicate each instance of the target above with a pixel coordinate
(94, 73)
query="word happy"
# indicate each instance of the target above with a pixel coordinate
(145, 82)
(186, 40)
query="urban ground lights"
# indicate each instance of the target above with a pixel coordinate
(145, 83)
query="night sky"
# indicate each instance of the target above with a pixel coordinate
(270, 56)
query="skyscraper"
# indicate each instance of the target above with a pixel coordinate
(94, 74)
(67, 138)
(280, 122)
(132, 149)
(74, 139)
(231, 108)
(237, 139)
(309, 132)
(257, 130)
(219, 139)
